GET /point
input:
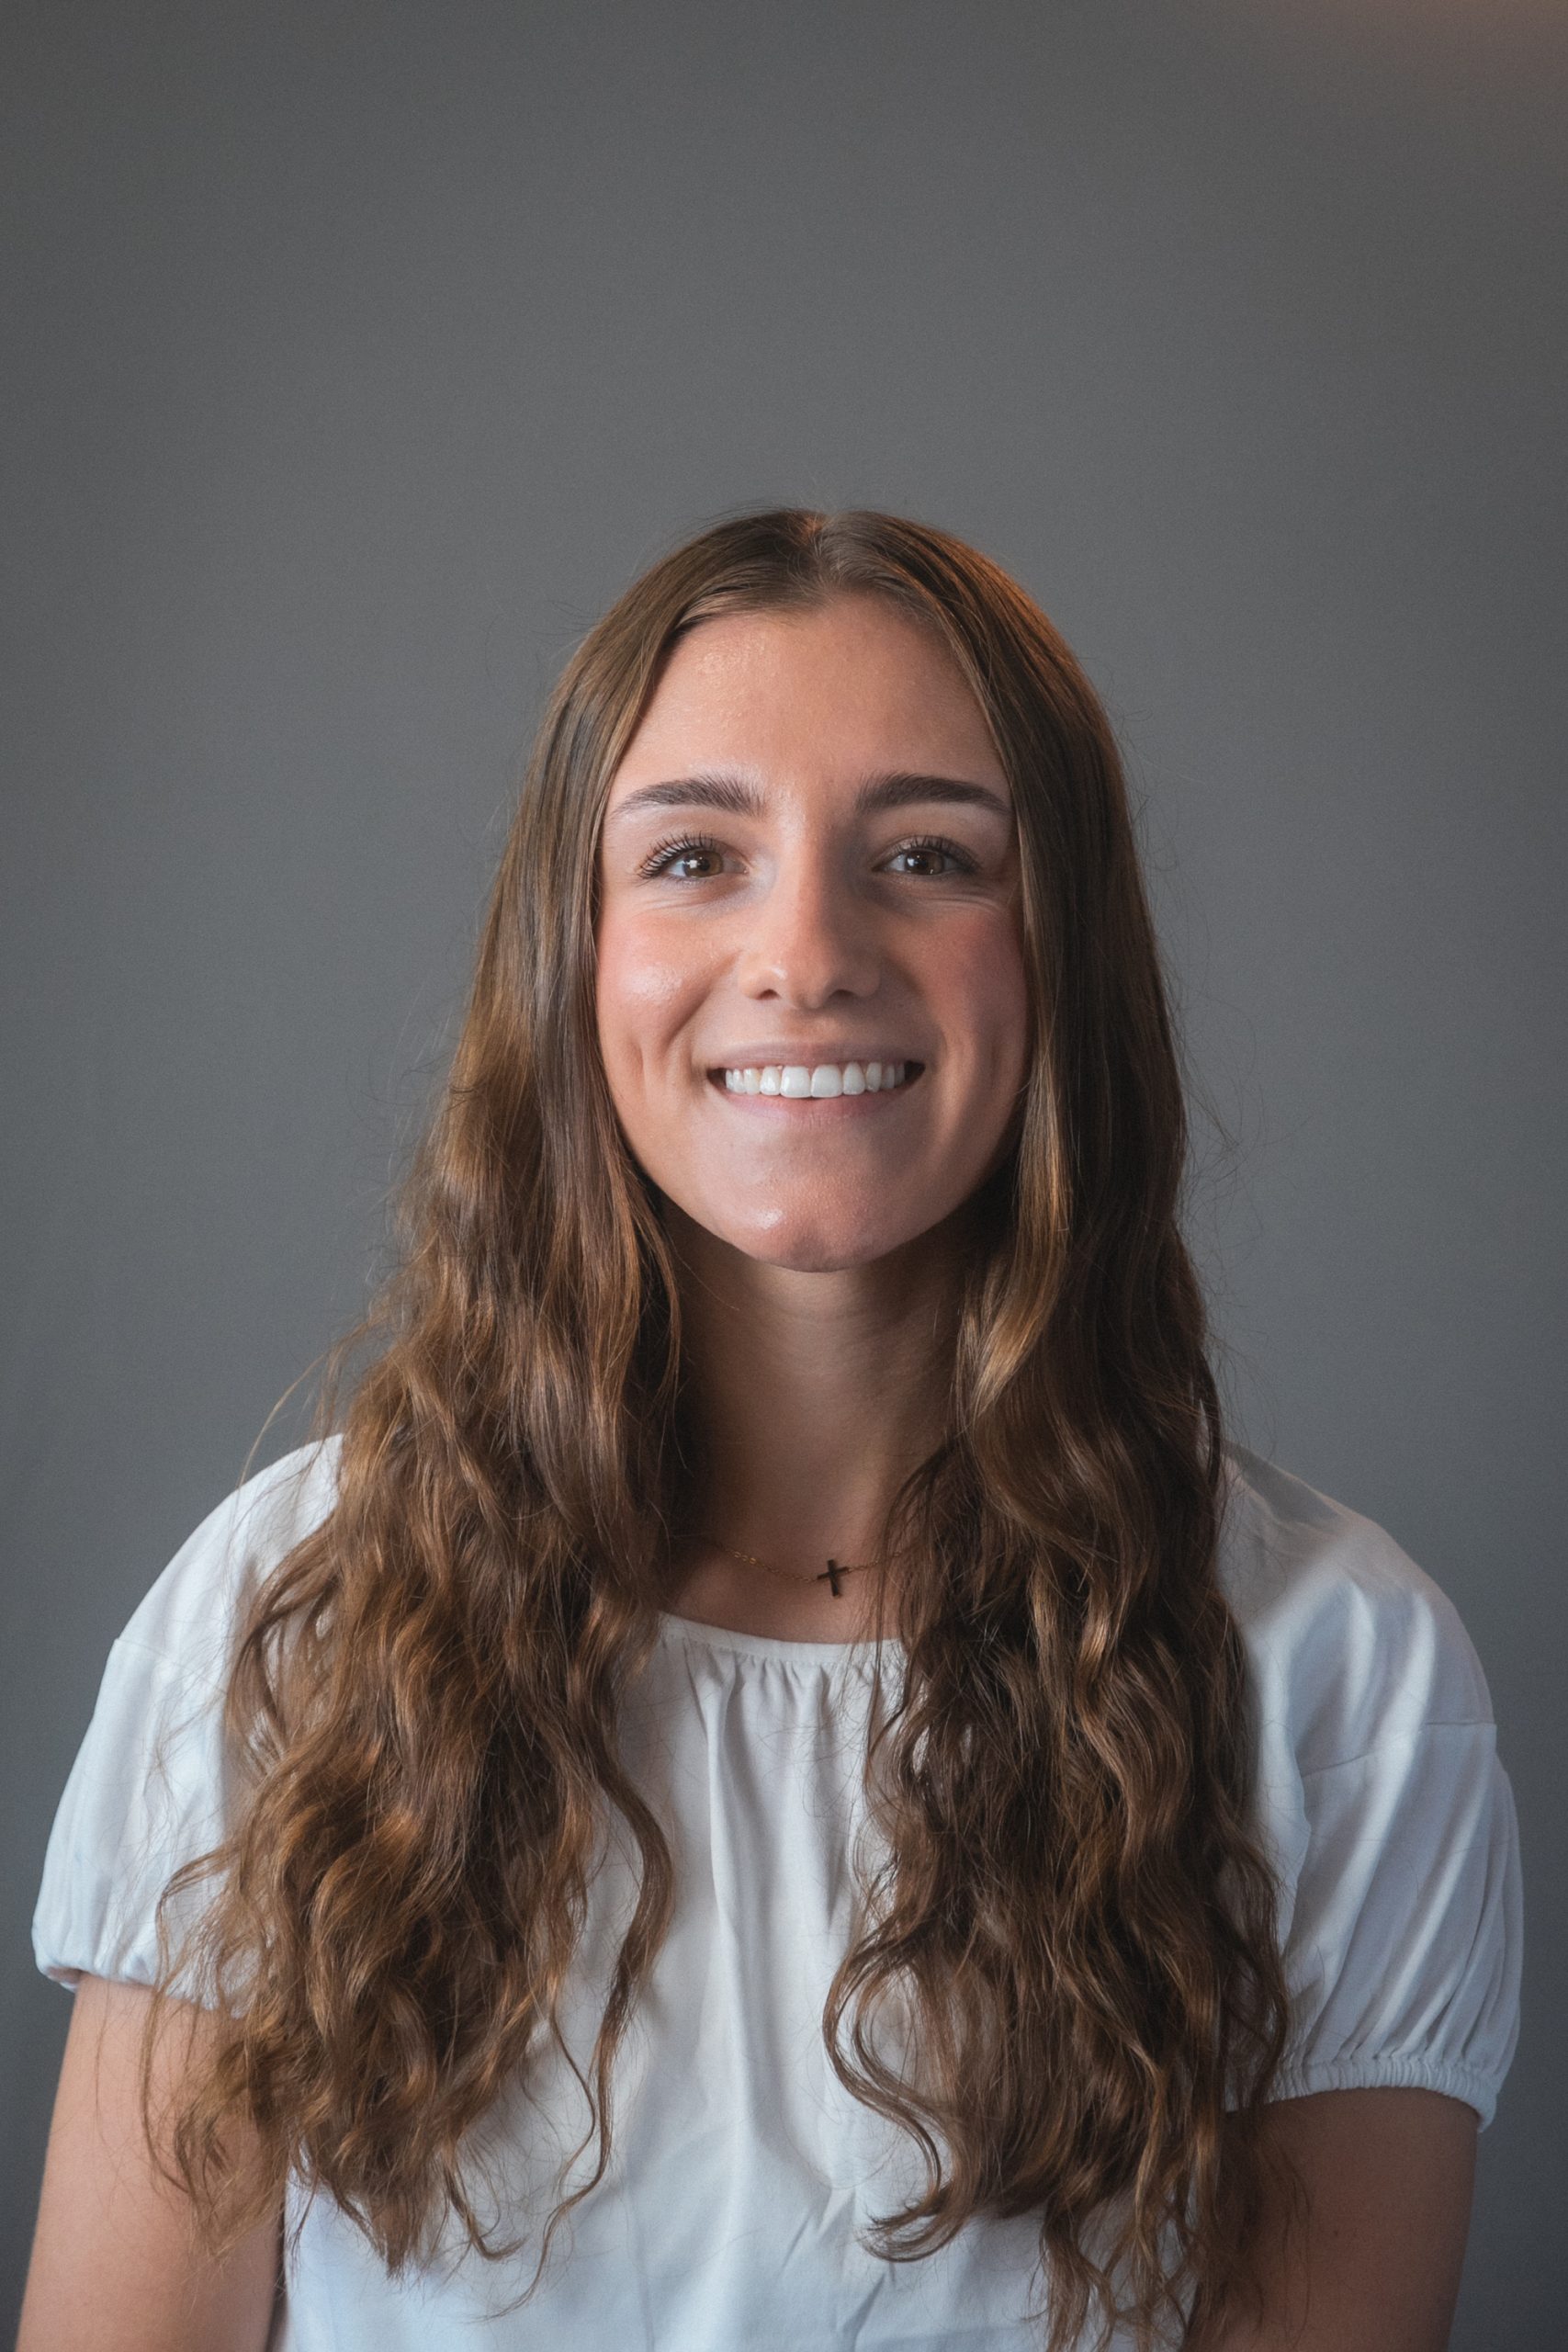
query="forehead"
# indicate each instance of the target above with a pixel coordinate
(845, 688)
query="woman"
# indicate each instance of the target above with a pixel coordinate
(779, 1783)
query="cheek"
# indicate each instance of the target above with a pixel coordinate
(643, 990)
(985, 983)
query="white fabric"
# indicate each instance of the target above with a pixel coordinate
(743, 2170)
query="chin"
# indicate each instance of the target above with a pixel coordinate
(813, 1246)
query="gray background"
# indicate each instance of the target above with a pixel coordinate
(360, 355)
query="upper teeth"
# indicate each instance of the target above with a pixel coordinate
(824, 1079)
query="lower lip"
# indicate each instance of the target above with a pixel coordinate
(817, 1107)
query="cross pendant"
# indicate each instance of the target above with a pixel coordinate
(831, 1573)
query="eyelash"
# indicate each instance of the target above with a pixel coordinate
(663, 855)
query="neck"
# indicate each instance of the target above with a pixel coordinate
(812, 1396)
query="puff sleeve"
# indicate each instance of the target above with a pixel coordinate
(146, 1794)
(154, 1780)
(1389, 1813)
(1405, 1950)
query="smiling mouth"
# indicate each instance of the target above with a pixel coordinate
(818, 1081)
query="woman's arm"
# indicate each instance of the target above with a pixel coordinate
(116, 2264)
(1388, 2176)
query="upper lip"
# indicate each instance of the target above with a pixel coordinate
(809, 1056)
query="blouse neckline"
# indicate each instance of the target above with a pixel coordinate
(695, 1633)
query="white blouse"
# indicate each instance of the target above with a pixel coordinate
(743, 2170)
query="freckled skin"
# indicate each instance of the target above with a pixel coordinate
(806, 921)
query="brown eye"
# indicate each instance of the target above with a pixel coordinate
(681, 860)
(921, 860)
(935, 859)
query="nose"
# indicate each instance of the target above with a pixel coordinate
(809, 940)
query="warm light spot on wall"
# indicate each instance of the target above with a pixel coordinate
(1492, 33)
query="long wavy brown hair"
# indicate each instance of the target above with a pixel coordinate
(1072, 1910)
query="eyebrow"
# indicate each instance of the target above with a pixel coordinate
(737, 796)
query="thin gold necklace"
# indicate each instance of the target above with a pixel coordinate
(829, 1576)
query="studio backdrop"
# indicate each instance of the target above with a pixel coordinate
(358, 356)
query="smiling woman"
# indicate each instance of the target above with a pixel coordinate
(816, 929)
(775, 1728)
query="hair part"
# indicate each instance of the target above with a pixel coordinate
(1064, 1985)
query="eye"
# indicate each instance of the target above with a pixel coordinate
(931, 847)
(667, 857)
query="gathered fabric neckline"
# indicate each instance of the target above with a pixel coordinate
(777, 1651)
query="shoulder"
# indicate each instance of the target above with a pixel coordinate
(1383, 1805)
(1351, 1645)
(188, 1615)
(153, 1783)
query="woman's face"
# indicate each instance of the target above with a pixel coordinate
(809, 881)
